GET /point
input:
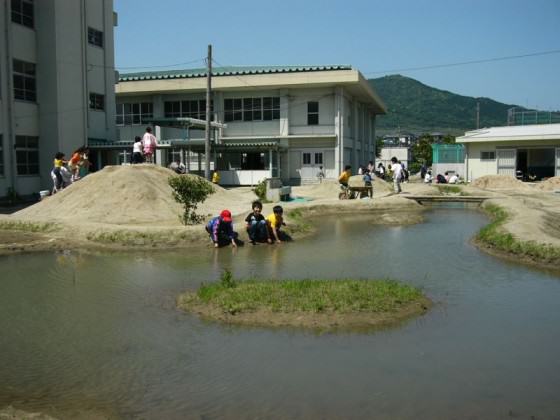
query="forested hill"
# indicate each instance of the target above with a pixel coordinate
(417, 108)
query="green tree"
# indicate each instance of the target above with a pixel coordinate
(422, 151)
(190, 190)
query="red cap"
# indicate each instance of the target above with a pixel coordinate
(225, 215)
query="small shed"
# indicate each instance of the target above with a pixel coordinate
(448, 158)
(528, 152)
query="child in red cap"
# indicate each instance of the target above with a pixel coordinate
(221, 231)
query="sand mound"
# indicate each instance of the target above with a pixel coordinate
(326, 189)
(380, 184)
(551, 184)
(123, 195)
(499, 182)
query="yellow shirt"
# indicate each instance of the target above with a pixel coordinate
(274, 220)
(344, 176)
(58, 163)
(215, 177)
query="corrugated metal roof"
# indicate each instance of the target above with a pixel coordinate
(512, 133)
(226, 71)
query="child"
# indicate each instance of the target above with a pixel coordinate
(220, 229)
(75, 162)
(321, 174)
(274, 222)
(149, 143)
(137, 156)
(59, 160)
(345, 175)
(216, 177)
(367, 181)
(256, 225)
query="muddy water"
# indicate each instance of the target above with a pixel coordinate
(99, 334)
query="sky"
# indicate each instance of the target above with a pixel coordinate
(376, 37)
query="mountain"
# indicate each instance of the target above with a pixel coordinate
(417, 108)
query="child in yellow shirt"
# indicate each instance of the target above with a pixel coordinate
(274, 222)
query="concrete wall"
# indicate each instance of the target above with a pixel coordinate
(67, 69)
(401, 153)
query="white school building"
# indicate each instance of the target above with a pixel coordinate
(57, 81)
(283, 122)
(528, 152)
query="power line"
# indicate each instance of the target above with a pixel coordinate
(463, 63)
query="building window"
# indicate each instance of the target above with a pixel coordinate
(27, 155)
(134, 114)
(318, 158)
(25, 87)
(251, 109)
(95, 37)
(191, 109)
(307, 158)
(97, 101)
(313, 113)
(488, 155)
(22, 12)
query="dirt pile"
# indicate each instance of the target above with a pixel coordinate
(500, 182)
(326, 189)
(551, 184)
(124, 195)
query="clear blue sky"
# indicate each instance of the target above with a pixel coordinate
(376, 37)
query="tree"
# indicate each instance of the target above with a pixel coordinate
(422, 151)
(190, 190)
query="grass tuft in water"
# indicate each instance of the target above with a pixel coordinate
(309, 295)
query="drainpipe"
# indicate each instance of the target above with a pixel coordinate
(85, 100)
(467, 162)
(9, 95)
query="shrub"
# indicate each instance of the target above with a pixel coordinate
(260, 190)
(190, 190)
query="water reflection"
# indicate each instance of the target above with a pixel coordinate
(101, 331)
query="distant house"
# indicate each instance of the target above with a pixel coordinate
(283, 122)
(401, 153)
(530, 152)
(399, 139)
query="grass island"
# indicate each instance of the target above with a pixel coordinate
(316, 304)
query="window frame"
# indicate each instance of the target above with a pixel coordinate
(145, 112)
(21, 16)
(96, 37)
(489, 153)
(24, 148)
(189, 108)
(312, 115)
(95, 99)
(24, 77)
(252, 108)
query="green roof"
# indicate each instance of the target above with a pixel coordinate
(225, 71)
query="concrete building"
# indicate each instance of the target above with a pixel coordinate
(281, 122)
(401, 153)
(529, 152)
(56, 85)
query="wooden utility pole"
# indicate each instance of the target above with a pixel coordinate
(208, 114)
(477, 115)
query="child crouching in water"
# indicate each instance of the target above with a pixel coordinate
(256, 225)
(274, 222)
(221, 231)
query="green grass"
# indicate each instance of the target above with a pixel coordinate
(451, 189)
(312, 296)
(130, 237)
(27, 226)
(298, 224)
(492, 235)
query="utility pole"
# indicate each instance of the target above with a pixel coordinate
(208, 114)
(477, 115)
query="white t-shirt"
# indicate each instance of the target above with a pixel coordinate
(381, 170)
(427, 178)
(397, 170)
(137, 147)
(454, 179)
